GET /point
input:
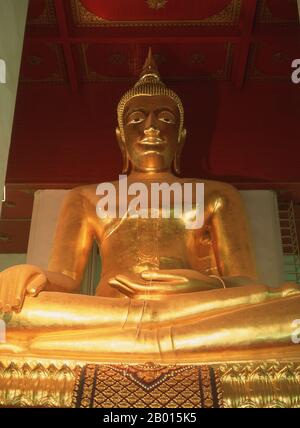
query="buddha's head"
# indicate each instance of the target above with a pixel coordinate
(150, 117)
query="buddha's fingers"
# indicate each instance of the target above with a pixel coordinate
(154, 290)
(133, 289)
(131, 283)
(27, 286)
(10, 291)
(36, 285)
(18, 293)
(136, 287)
(13, 285)
(152, 275)
(114, 283)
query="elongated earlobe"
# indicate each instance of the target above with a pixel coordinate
(177, 158)
(126, 163)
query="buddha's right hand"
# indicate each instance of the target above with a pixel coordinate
(16, 283)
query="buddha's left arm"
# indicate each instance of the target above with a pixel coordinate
(231, 238)
(72, 243)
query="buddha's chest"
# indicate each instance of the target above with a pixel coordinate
(147, 233)
(162, 242)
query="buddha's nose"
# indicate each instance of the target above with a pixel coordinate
(152, 132)
(151, 123)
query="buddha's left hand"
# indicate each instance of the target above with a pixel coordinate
(159, 283)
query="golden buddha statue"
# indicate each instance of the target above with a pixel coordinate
(167, 292)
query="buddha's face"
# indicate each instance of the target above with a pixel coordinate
(151, 127)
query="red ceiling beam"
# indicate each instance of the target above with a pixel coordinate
(247, 23)
(136, 39)
(272, 34)
(65, 40)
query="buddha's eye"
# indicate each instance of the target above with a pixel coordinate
(166, 117)
(136, 117)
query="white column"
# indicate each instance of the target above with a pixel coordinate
(12, 25)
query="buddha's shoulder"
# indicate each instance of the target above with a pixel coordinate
(82, 191)
(86, 194)
(83, 194)
(213, 186)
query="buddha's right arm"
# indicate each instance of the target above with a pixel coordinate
(20, 281)
(58, 282)
(72, 243)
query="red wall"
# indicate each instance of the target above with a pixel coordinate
(244, 135)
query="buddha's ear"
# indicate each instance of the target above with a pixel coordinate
(119, 136)
(181, 141)
(182, 138)
(124, 153)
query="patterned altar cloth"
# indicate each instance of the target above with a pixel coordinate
(147, 386)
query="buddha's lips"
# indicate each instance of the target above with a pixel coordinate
(152, 141)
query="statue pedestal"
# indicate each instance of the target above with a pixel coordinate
(65, 383)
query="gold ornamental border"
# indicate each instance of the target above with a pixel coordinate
(92, 76)
(47, 17)
(265, 16)
(83, 18)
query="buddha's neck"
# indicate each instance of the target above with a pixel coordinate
(152, 176)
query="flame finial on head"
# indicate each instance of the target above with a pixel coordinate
(150, 67)
(149, 84)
